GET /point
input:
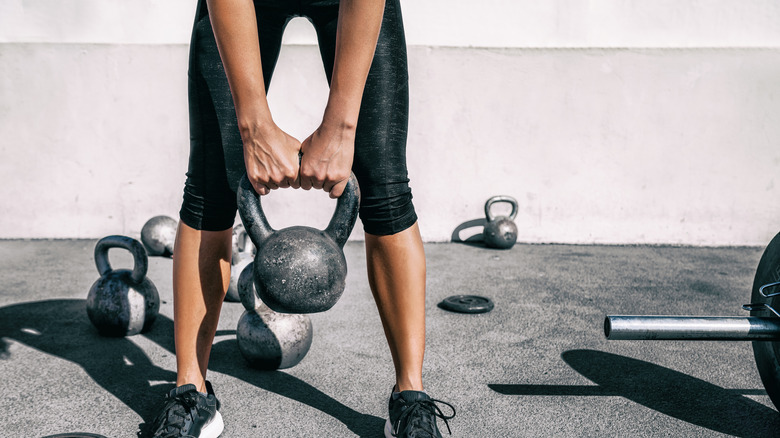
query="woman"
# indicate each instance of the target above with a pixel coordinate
(234, 48)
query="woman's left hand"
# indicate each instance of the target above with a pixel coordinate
(327, 158)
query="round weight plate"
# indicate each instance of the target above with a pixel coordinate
(767, 353)
(467, 304)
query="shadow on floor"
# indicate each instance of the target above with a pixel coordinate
(664, 390)
(227, 359)
(61, 328)
(474, 237)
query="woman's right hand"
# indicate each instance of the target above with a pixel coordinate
(271, 157)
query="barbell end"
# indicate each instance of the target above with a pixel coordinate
(692, 328)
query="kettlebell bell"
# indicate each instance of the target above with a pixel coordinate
(500, 232)
(299, 269)
(122, 302)
(269, 340)
(158, 236)
(243, 253)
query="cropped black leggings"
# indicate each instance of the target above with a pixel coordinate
(216, 151)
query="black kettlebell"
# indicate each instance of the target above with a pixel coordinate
(299, 269)
(500, 232)
(122, 302)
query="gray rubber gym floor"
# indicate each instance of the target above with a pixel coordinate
(537, 365)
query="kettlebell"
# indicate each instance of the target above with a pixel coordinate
(500, 232)
(299, 269)
(158, 235)
(243, 253)
(269, 340)
(122, 302)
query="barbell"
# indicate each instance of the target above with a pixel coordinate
(762, 327)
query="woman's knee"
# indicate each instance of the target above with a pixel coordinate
(207, 213)
(382, 216)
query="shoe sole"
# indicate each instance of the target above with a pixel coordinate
(389, 429)
(213, 429)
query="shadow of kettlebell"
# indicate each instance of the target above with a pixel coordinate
(476, 239)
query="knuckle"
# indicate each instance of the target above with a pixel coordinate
(306, 171)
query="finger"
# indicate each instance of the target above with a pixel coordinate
(261, 189)
(296, 183)
(329, 184)
(305, 183)
(338, 189)
(291, 177)
(317, 183)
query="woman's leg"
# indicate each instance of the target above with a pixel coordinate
(396, 273)
(201, 265)
(201, 274)
(394, 251)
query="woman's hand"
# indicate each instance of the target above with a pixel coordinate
(327, 158)
(271, 157)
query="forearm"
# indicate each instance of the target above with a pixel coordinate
(235, 29)
(356, 36)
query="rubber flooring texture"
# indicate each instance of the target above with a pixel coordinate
(537, 365)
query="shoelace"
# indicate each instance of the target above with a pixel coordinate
(179, 408)
(418, 409)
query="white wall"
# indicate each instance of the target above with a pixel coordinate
(613, 122)
(458, 23)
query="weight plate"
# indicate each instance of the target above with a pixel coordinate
(467, 304)
(767, 353)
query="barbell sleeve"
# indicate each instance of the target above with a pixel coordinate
(692, 328)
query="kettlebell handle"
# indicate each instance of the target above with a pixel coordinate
(255, 222)
(512, 201)
(347, 205)
(258, 228)
(136, 248)
(246, 290)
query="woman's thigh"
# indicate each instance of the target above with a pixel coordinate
(380, 144)
(216, 161)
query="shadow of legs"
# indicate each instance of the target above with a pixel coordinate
(227, 359)
(664, 390)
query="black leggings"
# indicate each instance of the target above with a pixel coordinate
(216, 150)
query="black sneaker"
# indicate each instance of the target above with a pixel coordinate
(189, 414)
(413, 415)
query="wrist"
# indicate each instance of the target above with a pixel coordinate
(258, 124)
(341, 113)
(339, 124)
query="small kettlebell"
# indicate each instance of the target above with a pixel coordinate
(122, 302)
(299, 269)
(243, 253)
(158, 235)
(500, 232)
(269, 340)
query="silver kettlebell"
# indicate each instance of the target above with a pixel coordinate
(269, 340)
(243, 254)
(122, 302)
(500, 231)
(158, 235)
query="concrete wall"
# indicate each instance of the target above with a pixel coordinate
(611, 122)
